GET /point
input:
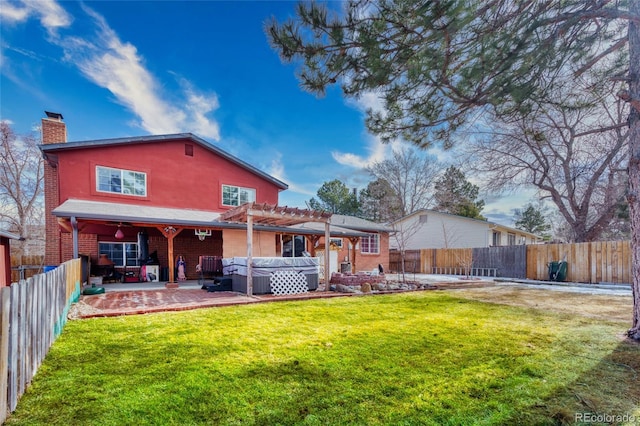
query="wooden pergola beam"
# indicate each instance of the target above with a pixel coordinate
(268, 214)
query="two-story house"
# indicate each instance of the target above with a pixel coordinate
(160, 197)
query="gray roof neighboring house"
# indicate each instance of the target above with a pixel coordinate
(359, 224)
(64, 146)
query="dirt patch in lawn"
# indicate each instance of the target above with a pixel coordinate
(606, 307)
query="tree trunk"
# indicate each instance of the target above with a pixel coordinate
(634, 164)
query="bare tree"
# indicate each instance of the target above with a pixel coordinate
(21, 180)
(402, 233)
(576, 157)
(411, 175)
(436, 64)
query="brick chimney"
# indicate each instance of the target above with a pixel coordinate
(54, 130)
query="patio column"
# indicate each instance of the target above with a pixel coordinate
(327, 257)
(249, 252)
(170, 233)
(353, 241)
(74, 236)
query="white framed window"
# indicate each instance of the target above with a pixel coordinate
(121, 254)
(511, 239)
(497, 238)
(118, 181)
(336, 241)
(370, 244)
(236, 195)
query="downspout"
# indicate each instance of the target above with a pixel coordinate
(74, 233)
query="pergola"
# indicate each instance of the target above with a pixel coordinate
(273, 215)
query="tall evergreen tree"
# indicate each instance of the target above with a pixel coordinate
(456, 195)
(378, 202)
(531, 219)
(335, 197)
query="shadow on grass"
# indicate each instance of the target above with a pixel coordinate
(608, 393)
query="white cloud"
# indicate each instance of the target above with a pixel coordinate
(377, 151)
(117, 66)
(13, 14)
(50, 14)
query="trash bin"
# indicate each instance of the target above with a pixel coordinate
(557, 271)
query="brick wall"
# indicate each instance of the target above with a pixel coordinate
(87, 244)
(366, 262)
(53, 131)
(235, 243)
(187, 245)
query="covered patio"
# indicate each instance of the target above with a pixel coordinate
(83, 220)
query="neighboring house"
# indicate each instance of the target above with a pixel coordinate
(137, 198)
(431, 229)
(5, 257)
(362, 250)
(371, 250)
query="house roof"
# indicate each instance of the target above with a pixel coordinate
(119, 212)
(134, 213)
(9, 235)
(89, 144)
(485, 222)
(359, 224)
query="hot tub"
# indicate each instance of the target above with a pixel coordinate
(262, 267)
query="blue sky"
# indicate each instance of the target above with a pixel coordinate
(117, 69)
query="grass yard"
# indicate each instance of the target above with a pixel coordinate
(407, 359)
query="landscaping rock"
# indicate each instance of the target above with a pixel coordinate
(379, 286)
(365, 288)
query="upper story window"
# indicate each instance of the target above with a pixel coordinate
(236, 196)
(119, 181)
(370, 244)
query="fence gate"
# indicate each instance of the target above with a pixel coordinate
(509, 261)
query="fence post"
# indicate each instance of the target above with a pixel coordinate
(4, 351)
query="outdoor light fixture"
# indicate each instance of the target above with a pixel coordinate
(119, 234)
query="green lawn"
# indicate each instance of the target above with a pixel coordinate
(413, 358)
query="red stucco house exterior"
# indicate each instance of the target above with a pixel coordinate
(107, 196)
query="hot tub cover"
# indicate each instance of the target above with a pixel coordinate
(264, 266)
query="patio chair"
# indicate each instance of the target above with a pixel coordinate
(209, 267)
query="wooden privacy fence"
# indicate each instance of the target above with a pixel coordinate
(595, 262)
(23, 267)
(32, 315)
